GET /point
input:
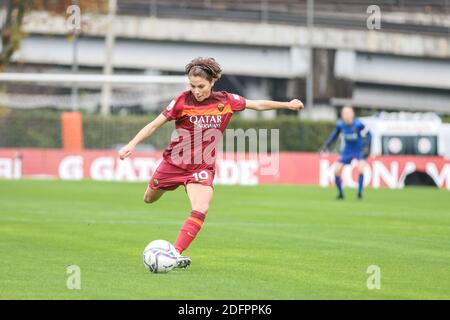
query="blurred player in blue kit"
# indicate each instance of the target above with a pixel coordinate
(356, 147)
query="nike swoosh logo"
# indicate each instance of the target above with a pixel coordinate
(190, 234)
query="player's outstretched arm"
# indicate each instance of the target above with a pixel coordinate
(332, 137)
(145, 132)
(263, 105)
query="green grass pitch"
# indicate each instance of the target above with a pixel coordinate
(262, 242)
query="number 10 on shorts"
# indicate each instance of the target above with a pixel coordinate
(202, 175)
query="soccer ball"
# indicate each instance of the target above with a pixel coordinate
(160, 256)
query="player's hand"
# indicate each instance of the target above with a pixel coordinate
(126, 151)
(324, 150)
(295, 105)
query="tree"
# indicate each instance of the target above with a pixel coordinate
(12, 30)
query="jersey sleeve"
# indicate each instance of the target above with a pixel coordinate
(236, 101)
(333, 136)
(174, 108)
(365, 132)
(360, 125)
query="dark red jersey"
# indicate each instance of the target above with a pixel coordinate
(200, 126)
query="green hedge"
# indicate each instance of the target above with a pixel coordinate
(295, 134)
(102, 132)
(23, 128)
(42, 129)
(446, 118)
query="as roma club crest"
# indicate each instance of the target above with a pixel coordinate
(221, 106)
(155, 182)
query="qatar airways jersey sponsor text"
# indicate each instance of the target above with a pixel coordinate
(206, 121)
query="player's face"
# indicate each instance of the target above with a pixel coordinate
(200, 87)
(347, 115)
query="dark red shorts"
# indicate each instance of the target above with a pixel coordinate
(170, 177)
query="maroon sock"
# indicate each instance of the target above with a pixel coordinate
(189, 230)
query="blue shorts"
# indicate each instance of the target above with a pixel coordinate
(346, 158)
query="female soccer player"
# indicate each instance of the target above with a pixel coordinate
(201, 115)
(356, 146)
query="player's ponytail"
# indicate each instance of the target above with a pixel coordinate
(207, 68)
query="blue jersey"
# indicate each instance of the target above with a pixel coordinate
(354, 139)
